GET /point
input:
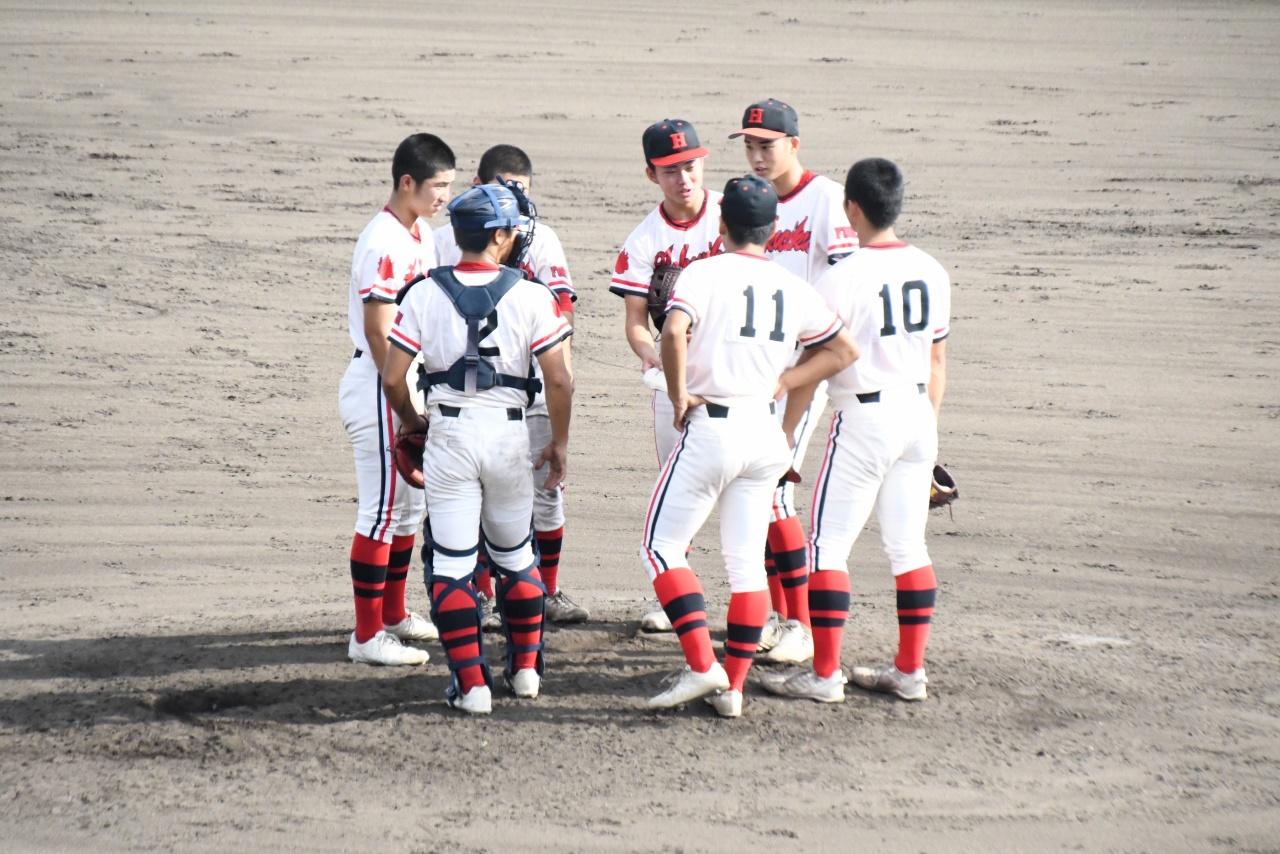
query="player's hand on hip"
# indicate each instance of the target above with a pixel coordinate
(681, 406)
(553, 456)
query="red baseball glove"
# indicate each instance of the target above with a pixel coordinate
(408, 457)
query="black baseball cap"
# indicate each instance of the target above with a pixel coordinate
(749, 201)
(671, 141)
(769, 119)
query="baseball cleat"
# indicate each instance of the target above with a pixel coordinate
(794, 647)
(384, 649)
(771, 633)
(689, 684)
(477, 701)
(490, 619)
(806, 685)
(414, 627)
(655, 621)
(562, 609)
(525, 683)
(888, 679)
(728, 704)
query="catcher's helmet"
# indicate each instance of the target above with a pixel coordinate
(486, 207)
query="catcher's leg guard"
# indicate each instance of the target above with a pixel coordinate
(522, 603)
(428, 552)
(455, 609)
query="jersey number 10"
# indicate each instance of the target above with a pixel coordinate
(749, 331)
(907, 323)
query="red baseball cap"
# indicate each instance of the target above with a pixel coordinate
(769, 119)
(671, 141)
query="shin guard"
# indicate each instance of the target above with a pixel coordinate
(522, 603)
(455, 609)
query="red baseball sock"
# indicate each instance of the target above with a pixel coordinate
(484, 581)
(549, 545)
(523, 608)
(786, 540)
(829, 608)
(393, 610)
(681, 597)
(747, 615)
(777, 599)
(917, 593)
(368, 578)
(459, 625)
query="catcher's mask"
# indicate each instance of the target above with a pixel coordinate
(489, 207)
(524, 236)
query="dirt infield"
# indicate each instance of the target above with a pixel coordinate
(180, 192)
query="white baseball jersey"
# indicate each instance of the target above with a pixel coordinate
(812, 227)
(388, 256)
(660, 241)
(526, 323)
(748, 313)
(896, 301)
(545, 260)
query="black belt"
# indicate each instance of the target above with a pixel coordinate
(357, 354)
(715, 410)
(874, 396)
(513, 413)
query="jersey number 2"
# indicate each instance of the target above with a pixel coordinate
(749, 331)
(907, 323)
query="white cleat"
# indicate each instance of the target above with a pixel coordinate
(771, 634)
(525, 683)
(562, 609)
(806, 685)
(655, 621)
(888, 679)
(794, 647)
(414, 627)
(385, 649)
(688, 684)
(728, 704)
(477, 701)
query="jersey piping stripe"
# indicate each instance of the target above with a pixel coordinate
(406, 343)
(895, 245)
(622, 288)
(685, 226)
(413, 232)
(655, 505)
(383, 430)
(677, 304)
(826, 335)
(824, 482)
(805, 178)
(551, 340)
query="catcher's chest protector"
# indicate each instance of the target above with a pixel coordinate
(471, 373)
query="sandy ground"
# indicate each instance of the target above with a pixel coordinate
(180, 192)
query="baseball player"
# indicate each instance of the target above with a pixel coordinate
(812, 234)
(896, 300)
(684, 227)
(476, 325)
(544, 262)
(394, 247)
(745, 315)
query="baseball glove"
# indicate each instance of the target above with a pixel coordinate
(408, 457)
(660, 287)
(944, 489)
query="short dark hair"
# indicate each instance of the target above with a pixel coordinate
(875, 185)
(505, 160)
(472, 241)
(757, 235)
(421, 156)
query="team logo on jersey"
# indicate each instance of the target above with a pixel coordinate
(386, 269)
(559, 272)
(791, 240)
(620, 266)
(667, 258)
